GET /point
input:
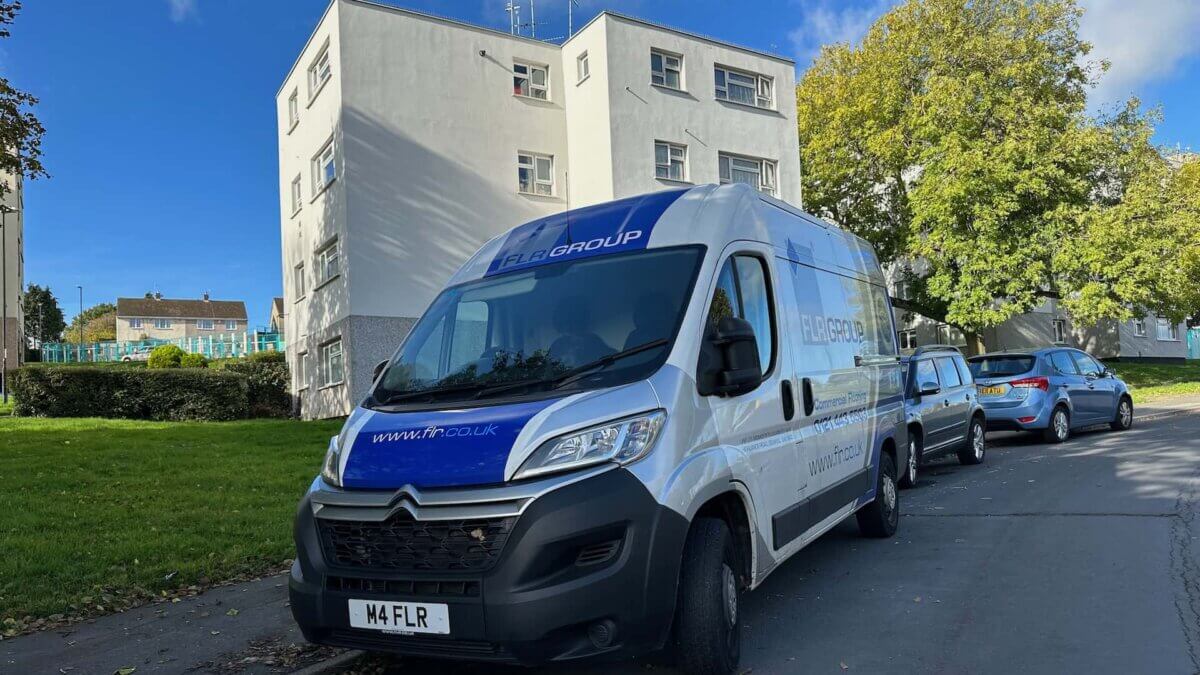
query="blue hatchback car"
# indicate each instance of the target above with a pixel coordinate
(1051, 390)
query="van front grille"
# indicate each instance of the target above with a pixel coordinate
(403, 543)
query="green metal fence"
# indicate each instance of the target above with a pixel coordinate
(216, 346)
(1193, 341)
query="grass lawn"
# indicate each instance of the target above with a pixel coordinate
(99, 513)
(1151, 381)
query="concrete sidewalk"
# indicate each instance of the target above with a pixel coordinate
(206, 633)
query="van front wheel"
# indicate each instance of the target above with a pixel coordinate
(881, 517)
(708, 637)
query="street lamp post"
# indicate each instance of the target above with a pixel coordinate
(79, 356)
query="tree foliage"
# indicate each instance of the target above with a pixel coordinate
(43, 317)
(958, 135)
(20, 131)
(95, 321)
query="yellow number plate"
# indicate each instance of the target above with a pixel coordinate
(991, 391)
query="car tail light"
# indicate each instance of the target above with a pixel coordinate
(1042, 383)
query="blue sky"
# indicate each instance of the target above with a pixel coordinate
(161, 130)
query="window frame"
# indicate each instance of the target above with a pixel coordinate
(162, 324)
(1139, 327)
(683, 161)
(204, 324)
(661, 74)
(321, 63)
(325, 352)
(765, 167)
(297, 194)
(230, 324)
(1059, 326)
(321, 263)
(319, 183)
(530, 67)
(293, 109)
(1172, 330)
(583, 69)
(301, 370)
(721, 91)
(299, 281)
(910, 333)
(532, 165)
(135, 323)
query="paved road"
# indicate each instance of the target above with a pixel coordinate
(1083, 557)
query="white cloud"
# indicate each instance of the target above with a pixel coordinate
(181, 10)
(829, 21)
(1144, 41)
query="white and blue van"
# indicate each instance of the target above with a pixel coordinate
(611, 423)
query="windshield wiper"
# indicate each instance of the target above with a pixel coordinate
(399, 397)
(577, 373)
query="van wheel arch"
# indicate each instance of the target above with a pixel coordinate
(729, 507)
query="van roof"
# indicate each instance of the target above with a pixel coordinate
(709, 215)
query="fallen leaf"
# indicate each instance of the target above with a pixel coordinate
(231, 612)
(125, 671)
(844, 666)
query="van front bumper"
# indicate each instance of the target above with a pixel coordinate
(595, 558)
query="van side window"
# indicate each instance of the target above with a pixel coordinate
(756, 305)
(948, 373)
(742, 293)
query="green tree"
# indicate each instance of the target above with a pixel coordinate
(20, 131)
(957, 137)
(43, 317)
(86, 317)
(102, 328)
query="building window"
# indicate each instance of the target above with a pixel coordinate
(666, 70)
(204, 324)
(1060, 331)
(301, 380)
(908, 339)
(324, 168)
(670, 161)
(230, 324)
(135, 323)
(329, 263)
(298, 280)
(531, 81)
(581, 66)
(757, 173)
(744, 88)
(162, 323)
(1168, 331)
(1139, 328)
(535, 174)
(296, 194)
(319, 72)
(293, 109)
(331, 363)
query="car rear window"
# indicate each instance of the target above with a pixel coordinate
(1001, 366)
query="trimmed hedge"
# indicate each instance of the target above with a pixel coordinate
(268, 380)
(193, 361)
(168, 394)
(165, 356)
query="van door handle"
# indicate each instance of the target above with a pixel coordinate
(946, 403)
(789, 400)
(807, 391)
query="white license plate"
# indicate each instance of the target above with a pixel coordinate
(405, 618)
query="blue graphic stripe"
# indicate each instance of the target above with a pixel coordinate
(613, 227)
(439, 448)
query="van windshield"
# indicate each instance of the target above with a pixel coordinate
(594, 322)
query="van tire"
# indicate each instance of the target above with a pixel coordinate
(1056, 432)
(973, 451)
(1124, 418)
(708, 630)
(881, 517)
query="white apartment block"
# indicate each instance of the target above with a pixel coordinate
(406, 141)
(12, 271)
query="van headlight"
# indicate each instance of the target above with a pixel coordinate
(333, 460)
(622, 441)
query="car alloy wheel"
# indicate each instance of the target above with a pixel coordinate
(1061, 428)
(914, 462)
(977, 440)
(1125, 412)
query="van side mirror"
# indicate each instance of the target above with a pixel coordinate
(929, 388)
(379, 368)
(739, 371)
